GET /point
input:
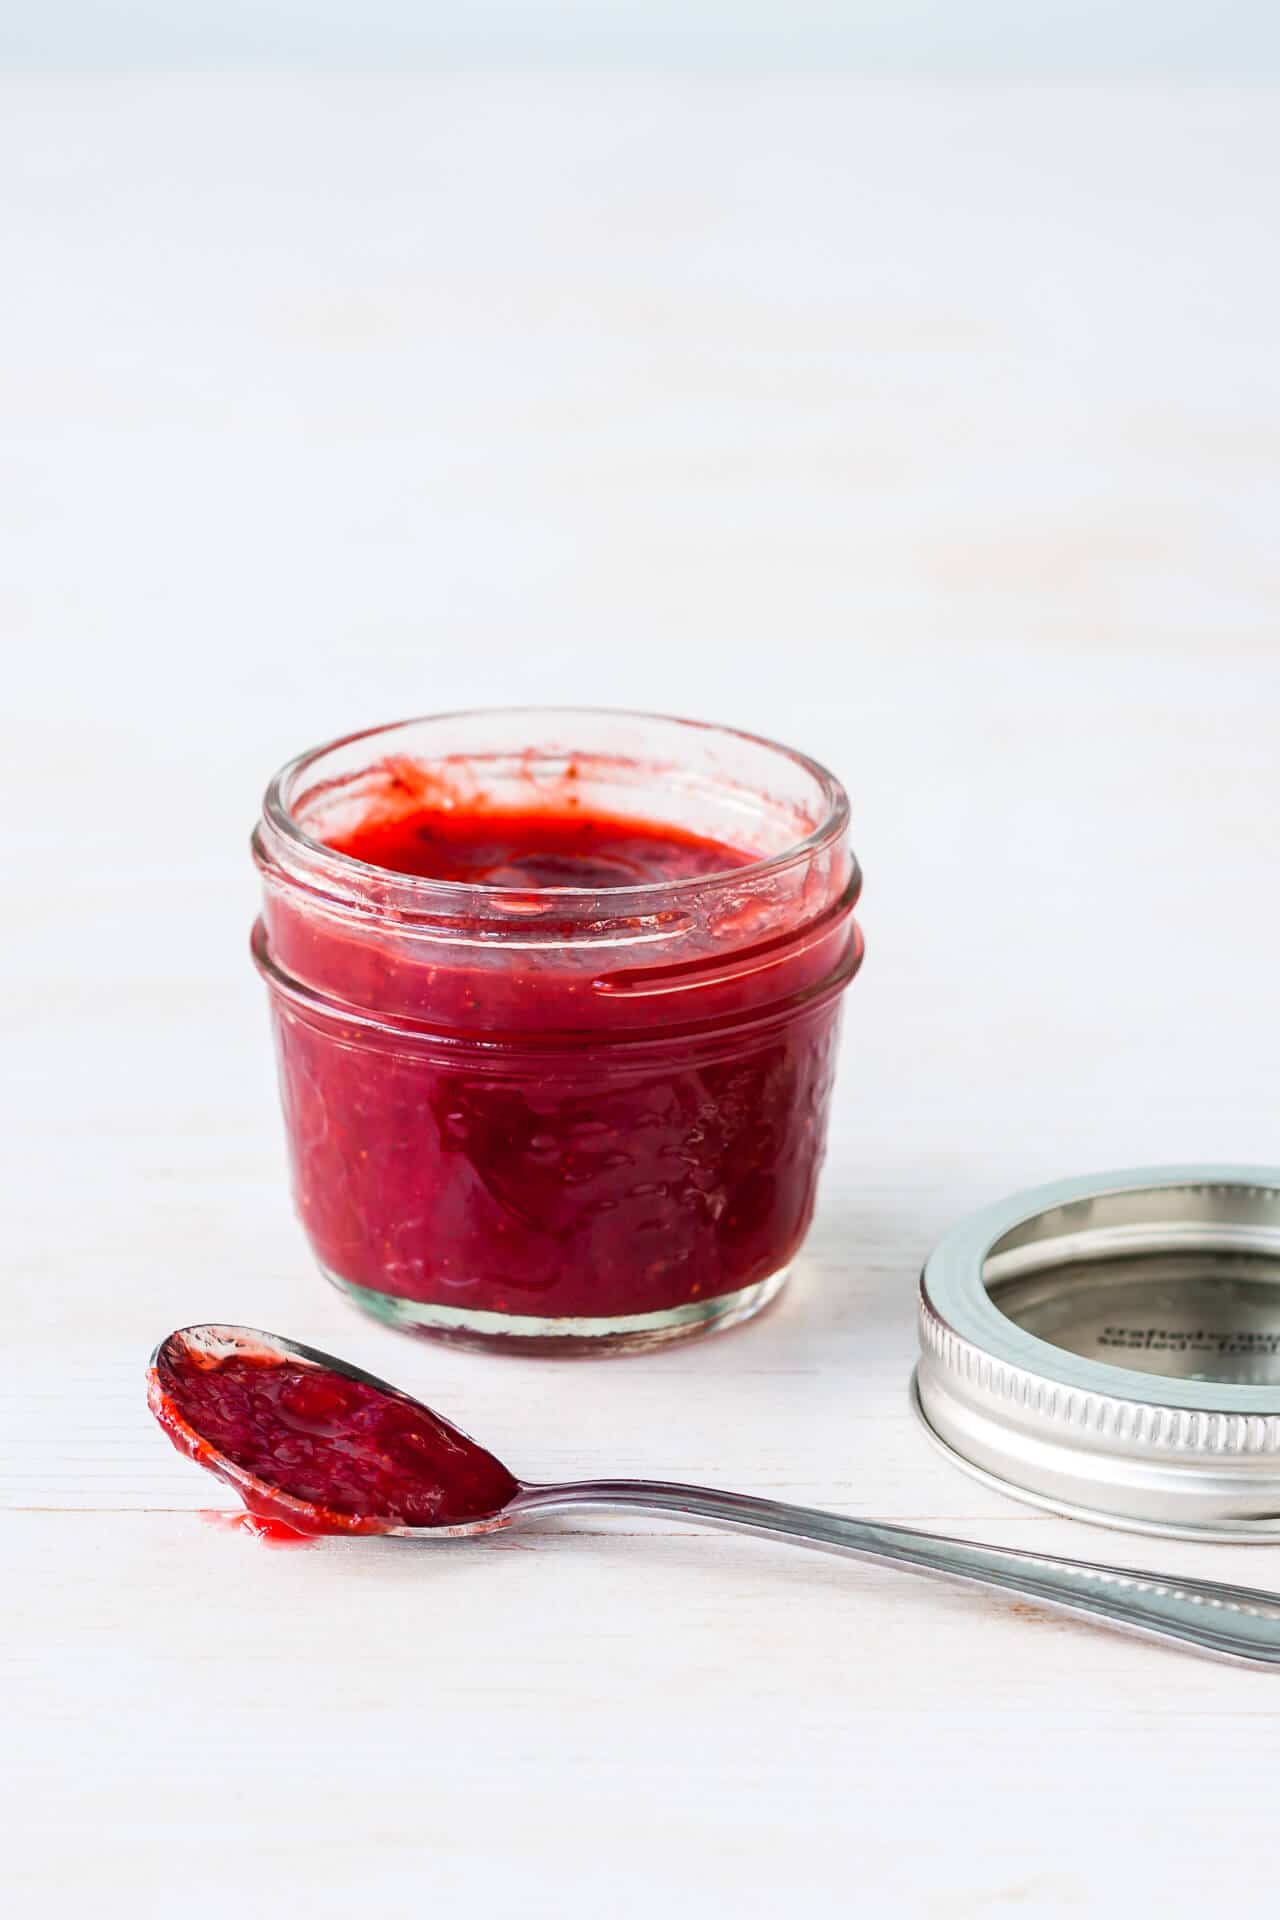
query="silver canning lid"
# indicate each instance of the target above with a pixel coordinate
(1109, 1347)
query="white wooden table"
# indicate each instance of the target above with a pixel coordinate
(936, 433)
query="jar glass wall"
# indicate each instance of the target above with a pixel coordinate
(567, 1115)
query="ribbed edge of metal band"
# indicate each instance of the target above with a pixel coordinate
(1132, 1425)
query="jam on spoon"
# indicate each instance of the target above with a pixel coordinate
(313, 1449)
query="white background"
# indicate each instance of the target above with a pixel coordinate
(932, 428)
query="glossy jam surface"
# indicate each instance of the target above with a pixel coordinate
(563, 847)
(349, 1456)
(514, 1107)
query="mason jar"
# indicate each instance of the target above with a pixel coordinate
(579, 1104)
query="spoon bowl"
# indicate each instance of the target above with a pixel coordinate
(209, 1347)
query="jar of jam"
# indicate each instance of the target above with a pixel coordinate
(555, 998)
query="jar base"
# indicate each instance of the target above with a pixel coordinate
(532, 1334)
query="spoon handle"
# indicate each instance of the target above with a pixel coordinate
(1235, 1623)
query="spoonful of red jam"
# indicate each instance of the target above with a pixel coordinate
(312, 1442)
(322, 1447)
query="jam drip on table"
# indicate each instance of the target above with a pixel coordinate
(361, 1459)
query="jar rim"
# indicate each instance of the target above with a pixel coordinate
(346, 867)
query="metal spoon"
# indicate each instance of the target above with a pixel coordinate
(1232, 1623)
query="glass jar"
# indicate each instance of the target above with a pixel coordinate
(565, 1117)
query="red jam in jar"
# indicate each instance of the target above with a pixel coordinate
(556, 1000)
